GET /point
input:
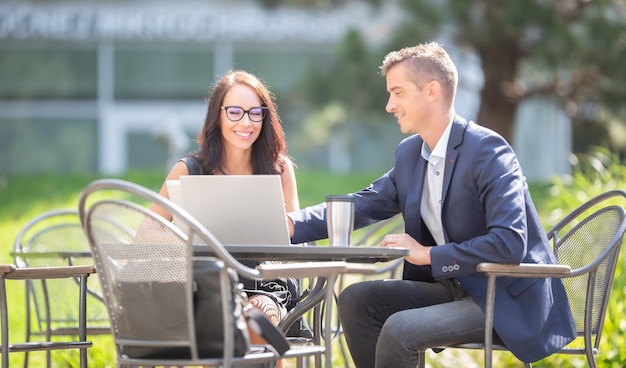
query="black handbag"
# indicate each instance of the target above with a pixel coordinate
(207, 306)
(207, 314)
(208, 311)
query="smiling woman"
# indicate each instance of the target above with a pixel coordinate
(242, 135)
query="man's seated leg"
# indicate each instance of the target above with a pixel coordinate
(407, 332)
(365, 307)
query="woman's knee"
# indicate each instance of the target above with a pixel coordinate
(268, 306)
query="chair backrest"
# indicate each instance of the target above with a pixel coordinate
(144, 264)
(49, 232)
(589, 241)
(38, 244)
(146, 278)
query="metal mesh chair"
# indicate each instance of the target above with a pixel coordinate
(56, 238)
(587, 243)
(144, 264)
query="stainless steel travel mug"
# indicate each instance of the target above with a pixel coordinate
(339, 219)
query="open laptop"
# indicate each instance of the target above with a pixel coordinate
(236, 209)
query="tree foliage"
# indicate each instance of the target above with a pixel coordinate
(346, 93)
(571, 52)
(350, 82)
(351, 79)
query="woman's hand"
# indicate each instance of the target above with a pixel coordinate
(418, 254)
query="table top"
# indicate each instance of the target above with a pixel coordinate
(361, 254)
(262, 252)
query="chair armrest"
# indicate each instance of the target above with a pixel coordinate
(54, 272)
(273, 270)
(6, 268)
(529, 270)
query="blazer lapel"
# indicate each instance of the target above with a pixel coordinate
(414, 197)
(455, 139)
(416, 227)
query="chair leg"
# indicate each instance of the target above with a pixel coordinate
(490, 300)
(46, 298)
(82, 324)
(422, 359)
(28, 320)
(4, 320)
(591, 360)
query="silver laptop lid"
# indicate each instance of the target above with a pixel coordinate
(237, 209)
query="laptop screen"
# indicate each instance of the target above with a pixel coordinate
(236, 209)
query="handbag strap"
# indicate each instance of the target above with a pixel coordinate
(261, 325)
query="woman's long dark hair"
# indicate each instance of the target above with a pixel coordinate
(269, 151)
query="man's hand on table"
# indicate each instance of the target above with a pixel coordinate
(418, 254)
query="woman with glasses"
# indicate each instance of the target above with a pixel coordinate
(242, 135)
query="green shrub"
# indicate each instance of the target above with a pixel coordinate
(593, 173)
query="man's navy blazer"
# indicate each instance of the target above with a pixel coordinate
(488, 216)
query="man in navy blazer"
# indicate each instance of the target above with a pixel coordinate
(464, 199)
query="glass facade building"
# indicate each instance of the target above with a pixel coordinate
(111, 86)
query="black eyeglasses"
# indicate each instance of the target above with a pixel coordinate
(236, 113)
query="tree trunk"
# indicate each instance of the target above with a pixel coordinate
(499, 99)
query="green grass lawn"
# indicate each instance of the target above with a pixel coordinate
(23, 197)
